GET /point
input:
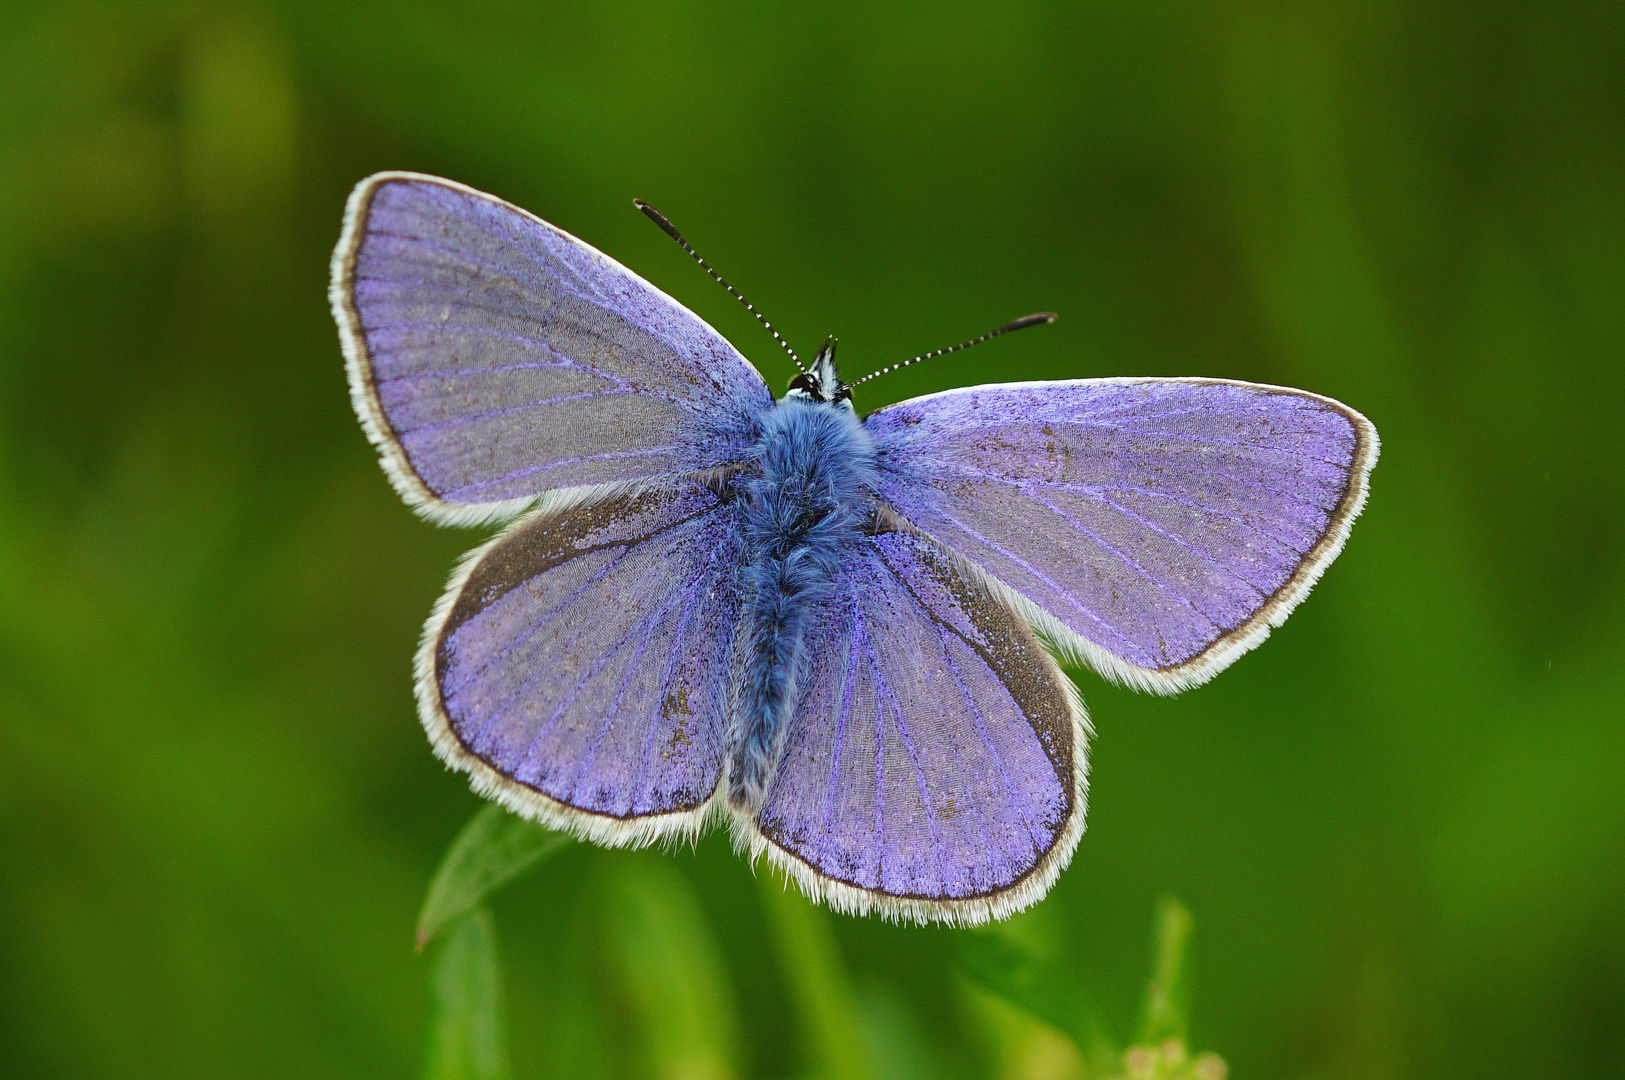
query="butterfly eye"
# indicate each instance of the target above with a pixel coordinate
(805, 384)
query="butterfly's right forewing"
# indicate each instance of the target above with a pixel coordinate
(579, 666)
(1156, 528)
(493, 357)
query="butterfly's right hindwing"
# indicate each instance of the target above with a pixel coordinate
(578, 668)
(493, 357)
(934, 768)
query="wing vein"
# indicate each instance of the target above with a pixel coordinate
(648, 628)
(627, 548)
(459, 329)
(884, 692)
(842, 719)
(461, 258)
(1025, 565)
(491, 414)
(580, 684)
(942, 630)
(1201, 441)
(507, 478)
(1126, 559)
(671, 667)
(1091, 489)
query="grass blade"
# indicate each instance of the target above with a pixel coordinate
(674, 974)
(817, 983)
(468, 1039)
(494, 848)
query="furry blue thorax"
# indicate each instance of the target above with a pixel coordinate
(809, 497)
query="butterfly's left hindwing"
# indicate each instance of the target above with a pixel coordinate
(578, 666)
(934, 768)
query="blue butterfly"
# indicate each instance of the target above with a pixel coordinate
(837, 634)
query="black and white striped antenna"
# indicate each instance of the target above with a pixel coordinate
(1015, 324)
(671, 230)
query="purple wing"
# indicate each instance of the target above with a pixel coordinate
(493, 357)
(1157, 528)
(578, 666)
(934, 767)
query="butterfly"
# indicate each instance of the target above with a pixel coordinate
(842, 636)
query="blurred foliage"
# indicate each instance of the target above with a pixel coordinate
(1401, 821)
(1002, 963)
(1045, 987)
(494, 848)
(468, 1037)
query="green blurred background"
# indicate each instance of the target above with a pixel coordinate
(1400, 824)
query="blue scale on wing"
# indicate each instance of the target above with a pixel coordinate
(585, 656)
(495, 357)
(934, 756)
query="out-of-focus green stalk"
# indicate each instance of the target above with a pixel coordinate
(817, 982)
(1165, 1013)
(674, 975)
(468, 1037)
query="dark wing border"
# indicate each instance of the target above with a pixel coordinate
(358, 361)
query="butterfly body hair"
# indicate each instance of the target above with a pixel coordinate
(807, 497)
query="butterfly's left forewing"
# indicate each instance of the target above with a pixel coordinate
(934, 766)
(578, 668)
(493, 357)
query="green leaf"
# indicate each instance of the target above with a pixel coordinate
(1166, 1011)
(468, 1039)
(675, 977)
(1043, 988)
(494, 848)
(817, 982)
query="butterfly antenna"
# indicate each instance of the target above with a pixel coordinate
(1015, 324)
(671, 230)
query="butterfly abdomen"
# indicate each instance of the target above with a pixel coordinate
(807, 499)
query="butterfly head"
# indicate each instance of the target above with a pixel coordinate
(821, 384)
